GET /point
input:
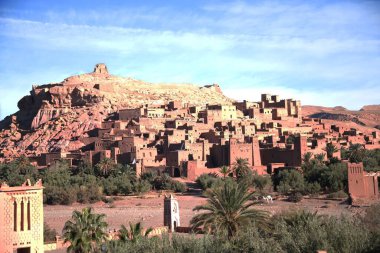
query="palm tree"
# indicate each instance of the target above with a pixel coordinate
(307, 157)
(23, 164)
(356, 153)
(85, 231)
(330, 150)
(105, 166)
(225, 171)
(228, 209)
(241, 168)
(134, 233)
(319, 158)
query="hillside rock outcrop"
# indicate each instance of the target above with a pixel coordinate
(54, 116)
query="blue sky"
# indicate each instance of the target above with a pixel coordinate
(322, 52)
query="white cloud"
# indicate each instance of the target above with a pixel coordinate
(291, 49)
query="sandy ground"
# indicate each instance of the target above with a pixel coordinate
(149, 209)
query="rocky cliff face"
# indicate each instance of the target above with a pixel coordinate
(55, 115)
(366, 119)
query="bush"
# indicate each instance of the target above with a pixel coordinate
(289, 180)
(206, 181)
(89, 194)
(163, 182)
(334, 178)
(261, 182)
(292, 232)
(303, 231)
(295, 197)
(125, 186)
(338, 195)
(55, 195)
(148, 176)
(178, 186)
(108, 200)
(312, 188)
(110, 186)
(371, 218)
(142, 186)
(49, 233)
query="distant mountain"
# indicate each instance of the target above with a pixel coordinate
(368, 116)
(370, 108)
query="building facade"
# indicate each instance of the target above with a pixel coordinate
(21, 218)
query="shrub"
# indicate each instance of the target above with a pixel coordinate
(178, 186)
(206, 181)
(295, 197)
(163, 182)
(55, 195)
(289, 180)
(89, 194)
(261, 182)
(338, 195)
(308, 232)
(312, 188)
(49, 233)
(110, 186)
(142, 186)
(334, 178)
(148, 176)
(108, 200)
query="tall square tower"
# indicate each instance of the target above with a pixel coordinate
(21, 218)
(171, 213)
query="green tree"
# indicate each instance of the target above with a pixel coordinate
(228, 209)
(307, 157)
(85, 231)
(206, 181)
(319, 158)
(334, 178)
(288, 181)
(23, 165)
(134, 234)
(241, 168)
(224, 170)
(356, 153)
(261, 182)
(330, 150)
(105, 166)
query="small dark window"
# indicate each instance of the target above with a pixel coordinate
(22, 216)
(28, 214)
(15, 215)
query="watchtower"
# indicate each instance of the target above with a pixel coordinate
(21, 218)
(171, 213)
(101, 68)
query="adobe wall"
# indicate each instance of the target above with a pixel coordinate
(128, 114)
(362, 186)
(193, 169)
(239, 150)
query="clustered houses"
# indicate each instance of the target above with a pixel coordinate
(185, 140)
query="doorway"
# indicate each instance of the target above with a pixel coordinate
(23, 250)
(177, 173)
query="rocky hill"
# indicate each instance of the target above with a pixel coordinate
(55, 115)
(367, 117)
(370, 108)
